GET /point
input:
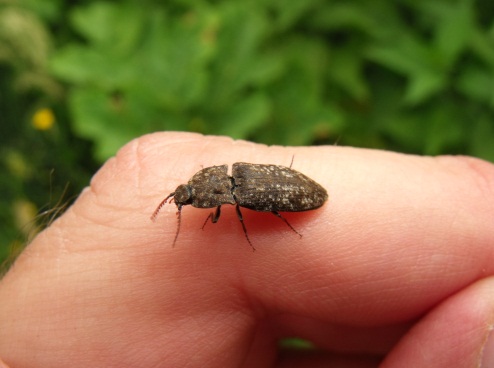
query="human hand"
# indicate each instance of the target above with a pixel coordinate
(395, 269)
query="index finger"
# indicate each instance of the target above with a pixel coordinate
(398, 234)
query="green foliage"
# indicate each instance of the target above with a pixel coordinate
(410, 75)
(36, 163)
(163, 68)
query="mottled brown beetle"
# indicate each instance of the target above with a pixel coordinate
(264, 188)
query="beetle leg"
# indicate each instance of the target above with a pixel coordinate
(239, 214)
(179, 218)
(276, 213)
(214, 216)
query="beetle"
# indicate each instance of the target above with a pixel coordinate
(259, 187)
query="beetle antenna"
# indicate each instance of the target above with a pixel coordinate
(155, 213)
(179, 217)
(291, 163)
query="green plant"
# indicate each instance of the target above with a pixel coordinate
(43, 165)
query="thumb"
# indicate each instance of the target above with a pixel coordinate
(456, 333)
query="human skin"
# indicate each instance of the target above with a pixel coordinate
(395, 270)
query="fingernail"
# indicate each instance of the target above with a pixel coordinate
(488, 351)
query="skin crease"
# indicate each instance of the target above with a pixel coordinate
(395, 270)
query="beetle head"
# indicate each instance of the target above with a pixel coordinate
(183, 195)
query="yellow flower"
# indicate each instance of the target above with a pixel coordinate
(43, 119)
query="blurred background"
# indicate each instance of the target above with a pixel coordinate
(79, 79)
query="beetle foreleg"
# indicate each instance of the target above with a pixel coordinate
(179, 218)
(214, 216)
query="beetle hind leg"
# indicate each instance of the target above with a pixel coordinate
(277, 214)
(240, 217)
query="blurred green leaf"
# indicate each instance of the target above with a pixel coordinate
(242, 118)
(288, 13)
(413, 58)
(482, 132)
(239, 62)
(440, 135)
(90, 67)
(355, 17)
(423, 85)
(454, 30)
(346, 71)
(477, 82)
(114, 28)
